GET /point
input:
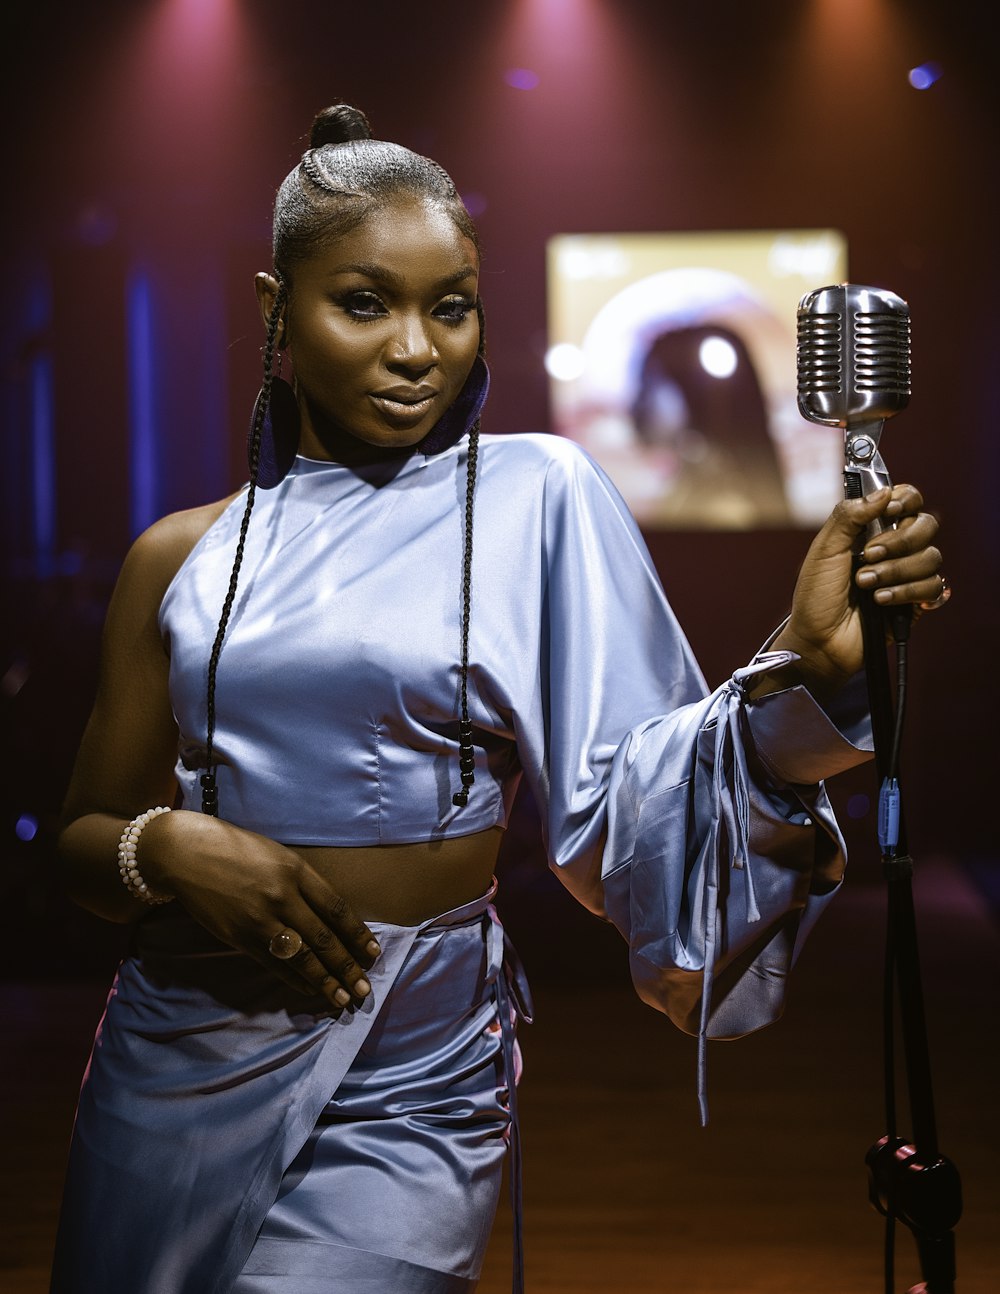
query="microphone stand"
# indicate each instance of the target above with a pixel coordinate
(908, 1181)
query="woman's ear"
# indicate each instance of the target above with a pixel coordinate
(266, 286)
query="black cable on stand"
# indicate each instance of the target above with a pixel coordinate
(854, 372)
(908, 1180)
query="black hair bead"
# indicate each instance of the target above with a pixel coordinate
(209, 794)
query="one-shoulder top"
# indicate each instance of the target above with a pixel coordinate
(338, 684)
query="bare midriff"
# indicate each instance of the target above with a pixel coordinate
(408, 884)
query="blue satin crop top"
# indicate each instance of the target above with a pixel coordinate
(338, 684)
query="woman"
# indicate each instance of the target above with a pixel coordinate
(303, 1077)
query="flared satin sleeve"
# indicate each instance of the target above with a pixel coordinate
(697, 823)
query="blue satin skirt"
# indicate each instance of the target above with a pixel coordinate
(233, 1137)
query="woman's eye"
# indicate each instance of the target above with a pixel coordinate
(363, 305)
(454, 310)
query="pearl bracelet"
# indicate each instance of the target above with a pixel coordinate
(127, 865)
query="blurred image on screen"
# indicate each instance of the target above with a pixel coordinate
(672, 361)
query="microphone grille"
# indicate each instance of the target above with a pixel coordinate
(852, 355)
(882, 354)
(818, 356)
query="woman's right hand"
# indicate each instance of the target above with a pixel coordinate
(245, 889)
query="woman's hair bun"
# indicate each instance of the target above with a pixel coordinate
(337, 124)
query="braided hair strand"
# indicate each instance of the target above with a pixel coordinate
(209, 789)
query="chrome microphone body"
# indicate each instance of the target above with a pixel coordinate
(853, 360)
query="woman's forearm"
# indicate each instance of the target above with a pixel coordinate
(88, 857)
(88, 861)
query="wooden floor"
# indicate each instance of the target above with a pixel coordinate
(624, 1192)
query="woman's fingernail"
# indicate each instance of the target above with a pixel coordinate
(373, 948)
(867, 578)
(876, 494)
(362, 988)
(341, 997)
(874, 554)
(883, 595)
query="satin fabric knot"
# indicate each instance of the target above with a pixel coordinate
(730, 817)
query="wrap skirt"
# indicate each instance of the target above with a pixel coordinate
(234, 1137)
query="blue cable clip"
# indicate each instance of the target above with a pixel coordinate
(888, 814)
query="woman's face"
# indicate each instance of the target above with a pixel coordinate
(382, 330)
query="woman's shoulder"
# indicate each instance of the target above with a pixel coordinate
(554, 467)
(160, 551)
(540, 447)
(149, 567)
(552, 457)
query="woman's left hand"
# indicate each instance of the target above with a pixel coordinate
(900, 566)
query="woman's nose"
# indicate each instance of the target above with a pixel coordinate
(412, 346)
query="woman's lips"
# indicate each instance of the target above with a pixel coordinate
(406, 409)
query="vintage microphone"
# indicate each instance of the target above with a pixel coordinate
(853, 359)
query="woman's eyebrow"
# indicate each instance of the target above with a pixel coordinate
(382, 274)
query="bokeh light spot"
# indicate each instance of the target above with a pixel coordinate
(564, 361)
(924, 76)
(718, 357)
(475, 204)
(26, 827)
(96, 224)
(521, 78)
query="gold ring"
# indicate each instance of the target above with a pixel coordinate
(943, 597)
(285, 944)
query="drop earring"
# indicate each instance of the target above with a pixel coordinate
(279, 430)
(461, 417)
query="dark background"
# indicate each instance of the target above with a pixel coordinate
(143, 145)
